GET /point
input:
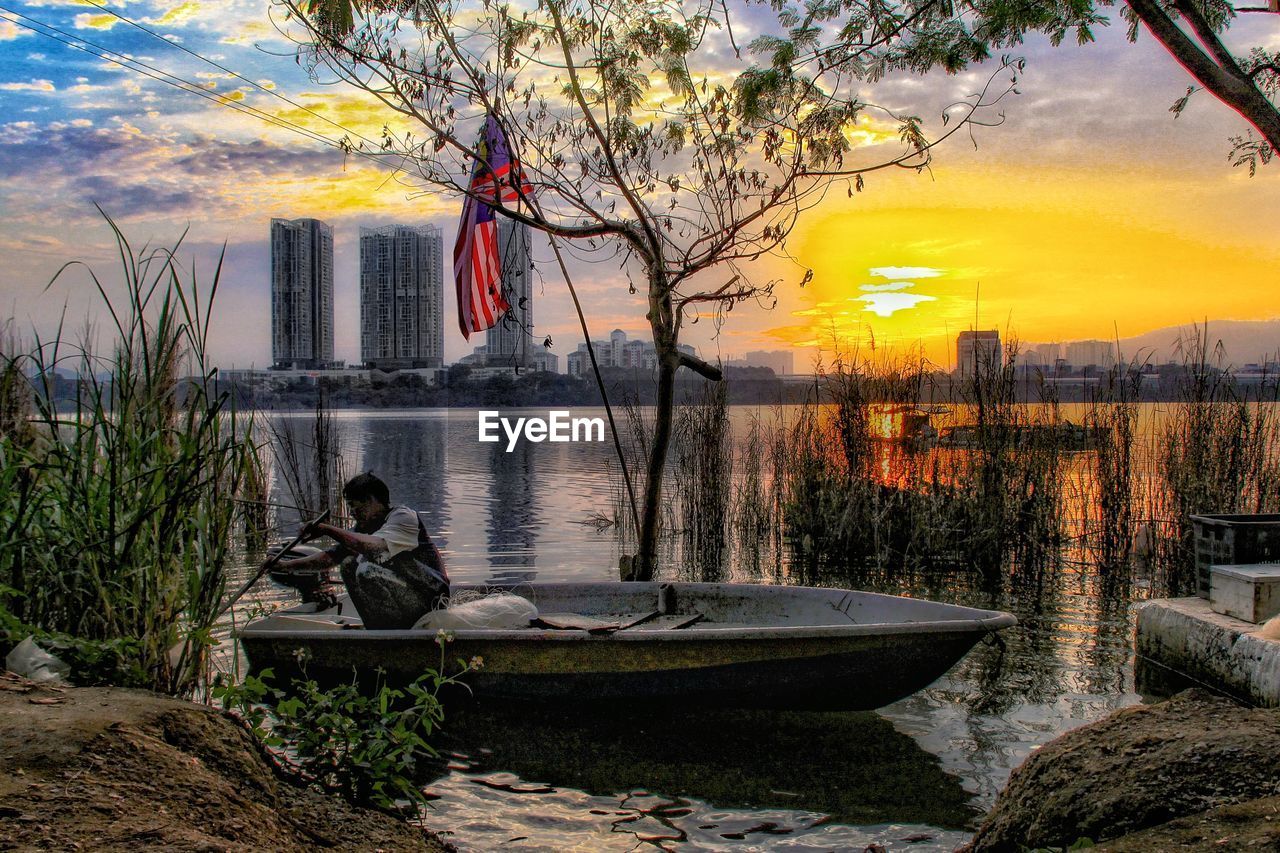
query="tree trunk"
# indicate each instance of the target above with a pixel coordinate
(1216, 70)
(662, 323)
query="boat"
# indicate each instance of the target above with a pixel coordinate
(718, 645)
(1065, 436)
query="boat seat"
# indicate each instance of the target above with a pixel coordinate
(652, 621)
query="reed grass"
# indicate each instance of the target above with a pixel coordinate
(703, 480)
(118, 511)
(308, 457)
(1217, 453)
(1111, 505)
(857, 499)
(1018, 491)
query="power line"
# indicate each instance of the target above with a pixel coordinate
(227, 70)
(146, 70)
(87, 46)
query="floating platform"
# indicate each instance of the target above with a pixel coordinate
(1185, 636)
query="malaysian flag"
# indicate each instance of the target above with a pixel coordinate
(476, 265)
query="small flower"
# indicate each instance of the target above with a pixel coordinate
(477, 662)
(301, 655)
(443, 636)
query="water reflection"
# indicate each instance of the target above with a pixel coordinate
(513, 512)
(660, 771)
(827, 781)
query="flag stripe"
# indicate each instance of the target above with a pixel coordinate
(477, 267)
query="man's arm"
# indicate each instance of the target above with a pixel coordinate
(369, 547)
(322, 560)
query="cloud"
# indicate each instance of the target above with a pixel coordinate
(85, 21)
(884, 288)
(33, 86)
(906, 272)
(178, 15)
(885, 304)
(10, 31)
(127, 198)
(249, 161)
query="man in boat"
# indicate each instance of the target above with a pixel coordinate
(391, 568)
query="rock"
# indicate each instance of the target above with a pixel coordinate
(1136, 769)
(151, 771)
(1249, 826)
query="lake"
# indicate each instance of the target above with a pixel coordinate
(914, 775)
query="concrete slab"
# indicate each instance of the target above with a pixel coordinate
(1185, 635)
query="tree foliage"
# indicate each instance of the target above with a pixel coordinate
(934, 33)
(648, 130)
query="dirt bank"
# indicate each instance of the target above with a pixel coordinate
(103, 769)
(1195, 772)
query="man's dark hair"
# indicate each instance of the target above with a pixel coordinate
(364, 486)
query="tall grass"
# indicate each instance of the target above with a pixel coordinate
(703, 479)
(1110, 506)
(308, 457)
(1219, 452)
(998, 496)
(858, 498)
(118, 511)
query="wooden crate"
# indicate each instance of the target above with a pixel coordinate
(1251, 593)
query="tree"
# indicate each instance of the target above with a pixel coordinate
(644, 129)
(934, 33)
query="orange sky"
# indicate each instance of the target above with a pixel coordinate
(1054, 254)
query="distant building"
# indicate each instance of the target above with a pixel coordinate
(544, 360)
(510, 341)
(781, 362)
(1043, 355)
(617, 352)
(1081, 354)
(401, 297)
(977, 350)
(301, 294)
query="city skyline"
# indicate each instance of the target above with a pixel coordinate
(1089, 214)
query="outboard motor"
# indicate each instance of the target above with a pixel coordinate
(314, 585)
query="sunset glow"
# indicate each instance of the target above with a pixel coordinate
(1088, 212)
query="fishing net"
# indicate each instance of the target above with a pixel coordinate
(474, 609)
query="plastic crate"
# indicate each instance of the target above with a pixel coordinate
(1233, 540)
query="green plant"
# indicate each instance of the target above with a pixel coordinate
(364, 745)
(116, 498)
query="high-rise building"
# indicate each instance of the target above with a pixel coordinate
(401, 297)
(1082, 354)
(510, 341)
(781, 362)
(978, 350)
(301, 294)
(1043, 355)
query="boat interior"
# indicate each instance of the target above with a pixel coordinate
(608, 608)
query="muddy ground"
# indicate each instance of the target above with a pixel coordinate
(111, 769)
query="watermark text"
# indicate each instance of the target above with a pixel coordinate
(557, 426)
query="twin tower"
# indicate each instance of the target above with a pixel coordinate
(401, 296)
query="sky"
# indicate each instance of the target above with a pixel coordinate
(1090, 212)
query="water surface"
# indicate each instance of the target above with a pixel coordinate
(914, 775)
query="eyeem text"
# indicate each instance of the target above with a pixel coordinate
(557, 426)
